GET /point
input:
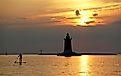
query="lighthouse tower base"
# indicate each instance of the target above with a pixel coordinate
(69, 54)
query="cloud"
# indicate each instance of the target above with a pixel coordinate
(67, 15)
(104, 7)
(88, 22)
(73, 17)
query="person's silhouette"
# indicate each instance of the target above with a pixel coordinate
(20, 59)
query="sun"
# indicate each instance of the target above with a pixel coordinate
(84, 19)
(77, 18)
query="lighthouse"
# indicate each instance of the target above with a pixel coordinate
(67, 44)
(68, 48)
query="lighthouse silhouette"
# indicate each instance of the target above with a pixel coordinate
(67, 44)
(68, 47)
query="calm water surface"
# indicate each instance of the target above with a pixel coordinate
(61, 66)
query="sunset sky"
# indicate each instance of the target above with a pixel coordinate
(32, 25)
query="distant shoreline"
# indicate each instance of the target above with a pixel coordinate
(58, 53)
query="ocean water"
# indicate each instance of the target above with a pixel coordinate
(84, 65)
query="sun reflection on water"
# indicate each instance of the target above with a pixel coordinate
(84, 65)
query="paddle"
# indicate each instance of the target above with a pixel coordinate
(16, 60)
(20, 62)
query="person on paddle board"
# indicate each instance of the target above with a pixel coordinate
(20, 59)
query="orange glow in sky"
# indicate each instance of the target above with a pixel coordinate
(93, 16)
(92, 12)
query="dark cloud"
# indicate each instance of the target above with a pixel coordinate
(95, 14)
(73, 18)
(88, 22)
(77, 12)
